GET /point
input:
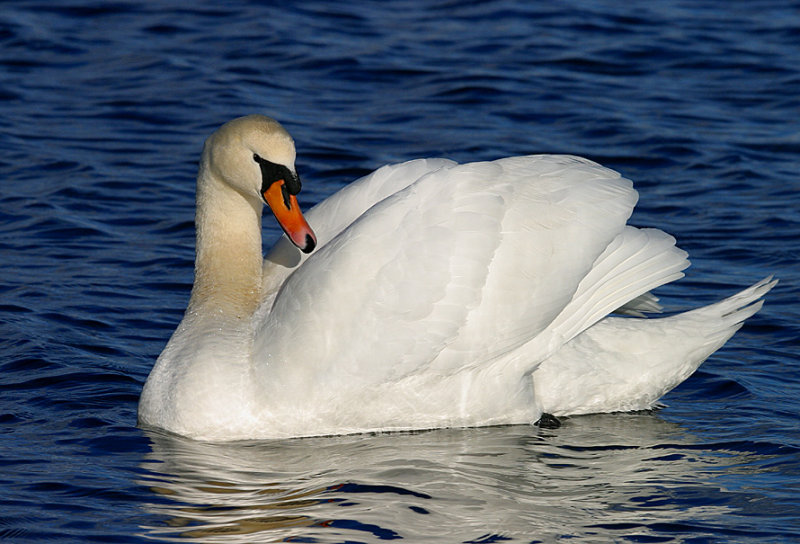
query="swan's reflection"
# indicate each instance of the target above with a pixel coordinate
(596, 475)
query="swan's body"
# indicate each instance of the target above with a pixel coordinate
(439, 295)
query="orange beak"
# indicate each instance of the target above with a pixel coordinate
(287, 211)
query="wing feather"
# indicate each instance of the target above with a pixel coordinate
(446, 271)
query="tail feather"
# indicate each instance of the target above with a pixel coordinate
(623, 364)
(736, 308)
(718, 322)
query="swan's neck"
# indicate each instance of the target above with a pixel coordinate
(228, 264)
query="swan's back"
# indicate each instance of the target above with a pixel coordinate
(434, 267)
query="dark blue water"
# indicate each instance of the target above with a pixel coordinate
(105, 106)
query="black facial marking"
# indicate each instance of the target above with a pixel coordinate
(271, 172)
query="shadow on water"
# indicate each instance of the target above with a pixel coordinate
(629, 475)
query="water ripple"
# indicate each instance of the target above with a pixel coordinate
(106, 106)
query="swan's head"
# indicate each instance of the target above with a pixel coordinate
(255, 155)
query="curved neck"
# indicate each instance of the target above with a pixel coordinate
(228, 261)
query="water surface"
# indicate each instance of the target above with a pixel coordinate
(104, 110)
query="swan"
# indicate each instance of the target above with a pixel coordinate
(428, 294)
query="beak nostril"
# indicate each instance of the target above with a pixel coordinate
(287, 199)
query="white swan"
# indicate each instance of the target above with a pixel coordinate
(438, 295)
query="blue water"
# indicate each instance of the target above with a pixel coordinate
(105, 106)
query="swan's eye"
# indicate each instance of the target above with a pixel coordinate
(256, 157)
